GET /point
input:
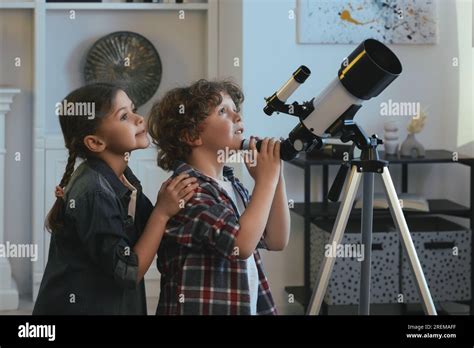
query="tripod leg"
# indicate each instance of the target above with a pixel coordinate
(399, 219)
(350, 191)
(366, 234)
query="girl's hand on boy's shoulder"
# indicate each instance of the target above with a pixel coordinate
(174, 193)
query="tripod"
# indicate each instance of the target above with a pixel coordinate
(368, 165)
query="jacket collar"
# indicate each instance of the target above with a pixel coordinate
(119, 188)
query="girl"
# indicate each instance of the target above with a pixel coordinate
(101, 245)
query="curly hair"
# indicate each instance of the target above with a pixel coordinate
(179, 115)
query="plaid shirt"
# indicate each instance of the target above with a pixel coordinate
(200, 273)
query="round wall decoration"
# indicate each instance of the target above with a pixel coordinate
(128, 59)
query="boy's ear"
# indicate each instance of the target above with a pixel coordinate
(94, 143)
(191, 141)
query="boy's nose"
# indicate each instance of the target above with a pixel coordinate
(237, 117)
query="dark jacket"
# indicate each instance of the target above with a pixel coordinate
(91, 267)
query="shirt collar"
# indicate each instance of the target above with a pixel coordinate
(119, 188)
(183, 167)
(228, 172)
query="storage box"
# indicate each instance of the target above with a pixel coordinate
(444, 251)
(343, 287)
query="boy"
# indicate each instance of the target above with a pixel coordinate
(208, 257)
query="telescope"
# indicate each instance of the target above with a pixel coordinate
(363, 75)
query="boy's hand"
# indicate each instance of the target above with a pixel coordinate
(173, 194)
(266, 164)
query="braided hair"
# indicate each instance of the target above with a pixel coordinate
(75, 127)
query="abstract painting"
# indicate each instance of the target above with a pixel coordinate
(352, 21)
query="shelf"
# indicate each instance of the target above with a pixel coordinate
(432, 156)
(107, 6)
(16, 5)
(437, 206)
(125, 6)
(299, 292)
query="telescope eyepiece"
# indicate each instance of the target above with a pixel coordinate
(301, 74)
(277, 101)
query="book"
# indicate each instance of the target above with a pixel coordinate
(408, 201)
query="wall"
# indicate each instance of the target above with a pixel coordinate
(271, 54)
(67, 43)
(16, 27)
(67, 49)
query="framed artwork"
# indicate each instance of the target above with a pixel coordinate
(352, 21)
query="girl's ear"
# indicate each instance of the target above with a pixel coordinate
(94, 143)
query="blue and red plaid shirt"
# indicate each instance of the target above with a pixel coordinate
(201, 272)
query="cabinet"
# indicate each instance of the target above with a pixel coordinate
(315, 212)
